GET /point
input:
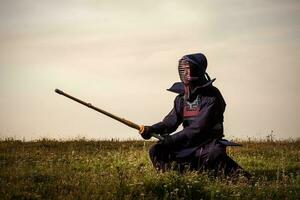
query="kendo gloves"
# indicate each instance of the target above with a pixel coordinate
(158, 128)
(168, 142)
(147, 132)
(175, 141)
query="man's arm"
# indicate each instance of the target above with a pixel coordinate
(173, 119)
(197, 132)
(169, 124)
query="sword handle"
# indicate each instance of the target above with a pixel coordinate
(157, 136)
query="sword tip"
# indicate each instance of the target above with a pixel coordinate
(58, 91)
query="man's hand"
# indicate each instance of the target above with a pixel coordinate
(146, 132)
(167, 142)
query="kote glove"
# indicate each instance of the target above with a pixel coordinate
(147, 132)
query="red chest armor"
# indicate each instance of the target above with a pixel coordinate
(191, 109)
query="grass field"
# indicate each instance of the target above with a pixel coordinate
(80, 169)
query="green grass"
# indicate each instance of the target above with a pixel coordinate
(80, 169)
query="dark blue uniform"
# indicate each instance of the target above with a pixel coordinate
(199, 144)
(199, 107)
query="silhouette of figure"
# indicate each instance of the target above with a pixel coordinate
(199, 107)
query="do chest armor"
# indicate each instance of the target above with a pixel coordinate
(190, 111)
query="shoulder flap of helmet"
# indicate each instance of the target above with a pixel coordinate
(177, 87)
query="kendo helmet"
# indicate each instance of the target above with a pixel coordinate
(192, 70)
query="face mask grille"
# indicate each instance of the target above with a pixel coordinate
(181, 68)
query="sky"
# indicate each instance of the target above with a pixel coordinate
(121, 56)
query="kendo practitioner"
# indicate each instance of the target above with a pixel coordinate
(199, 107)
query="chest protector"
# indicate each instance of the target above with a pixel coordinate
(190, 111)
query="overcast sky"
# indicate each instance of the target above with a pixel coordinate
(122, 56)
